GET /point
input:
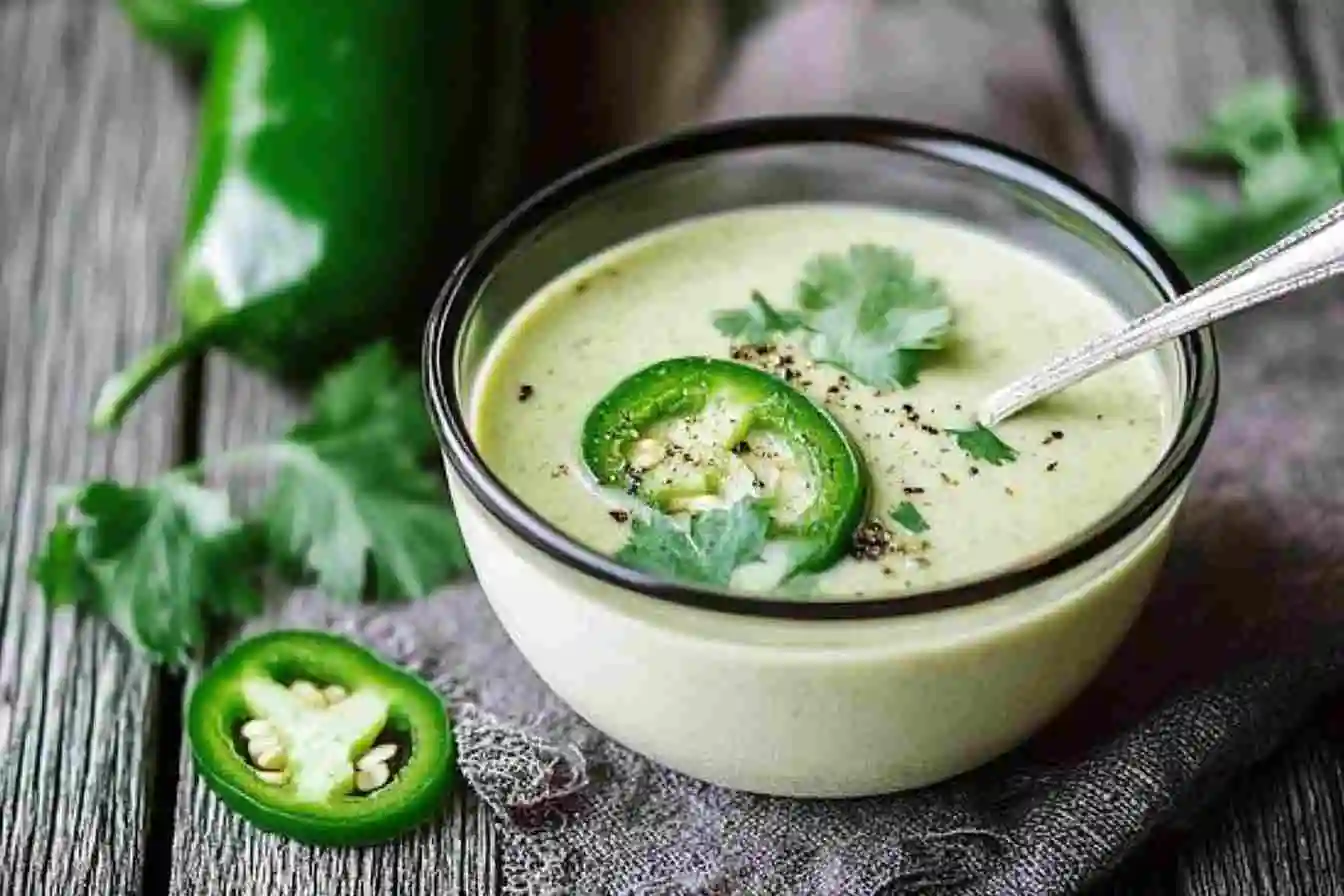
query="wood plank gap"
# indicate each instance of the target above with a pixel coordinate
(1305, 71)
(171, 692)
(1115, 145)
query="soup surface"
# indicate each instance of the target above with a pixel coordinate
(945, 515)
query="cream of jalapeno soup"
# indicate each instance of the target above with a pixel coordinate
(776, 402)
(935, 512)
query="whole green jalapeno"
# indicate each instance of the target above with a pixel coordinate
(333, 146)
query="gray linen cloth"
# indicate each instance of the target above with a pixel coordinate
(1243, 636)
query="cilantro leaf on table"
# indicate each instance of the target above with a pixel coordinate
(351, 507)
(351, 497)
(1288, 169)
(871, 315)
(707, 549)
(908, 517)
(757, 324)
(156, 561)
(981, 443)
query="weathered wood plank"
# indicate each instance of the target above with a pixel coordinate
(1321, 25)
(214, 851)
(88, 123)
(1281, 833)
(1007, 78)
(1158, 69)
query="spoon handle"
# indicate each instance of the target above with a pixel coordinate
(1308, 255)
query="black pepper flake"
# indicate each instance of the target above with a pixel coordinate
(742, 448)
(931, 430)
(832, 390)
(957, 406)
(913, 490)
(908, 408)
(871, 541)
(1098, 416)
(619, 516)
(1009, 491)
(975, 471)
(525, 392)
(858, 407)
(1056, 434)
(560, 470)
(1052, 466)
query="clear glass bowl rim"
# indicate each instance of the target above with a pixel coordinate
(455, 302)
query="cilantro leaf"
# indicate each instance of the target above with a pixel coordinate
(908, 517)
(156, 561)
(756, 324)
(1260, 119)
(871, 315)
(350, 495)
(707, 549)
(351, 505)
(981, 443)
(1288, 169)
(372, 389)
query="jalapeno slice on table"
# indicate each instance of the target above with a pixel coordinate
(311, 736)
(694, 434)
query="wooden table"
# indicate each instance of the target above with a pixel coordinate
(95, 136)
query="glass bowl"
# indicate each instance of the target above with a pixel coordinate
(835, 697)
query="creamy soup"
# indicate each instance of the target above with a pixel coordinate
(943, 514)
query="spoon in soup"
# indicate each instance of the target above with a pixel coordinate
(1308, 255)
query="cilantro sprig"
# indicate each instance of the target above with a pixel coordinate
(706, 549)
(155, 561)
(352, 509)
(866, 312)
(1288, 167)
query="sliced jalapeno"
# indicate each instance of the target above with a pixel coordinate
(693, 434)
(308, 735)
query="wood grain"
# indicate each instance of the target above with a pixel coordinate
(1007, 79)
(1283, 831)
(1158, 68)
(1321, 26)
(88, 123)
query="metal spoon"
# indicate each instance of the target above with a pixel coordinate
(1308, 255)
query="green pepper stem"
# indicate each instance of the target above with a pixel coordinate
(125, 387)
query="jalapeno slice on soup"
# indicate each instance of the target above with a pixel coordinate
(695, 434)
(311, 736)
